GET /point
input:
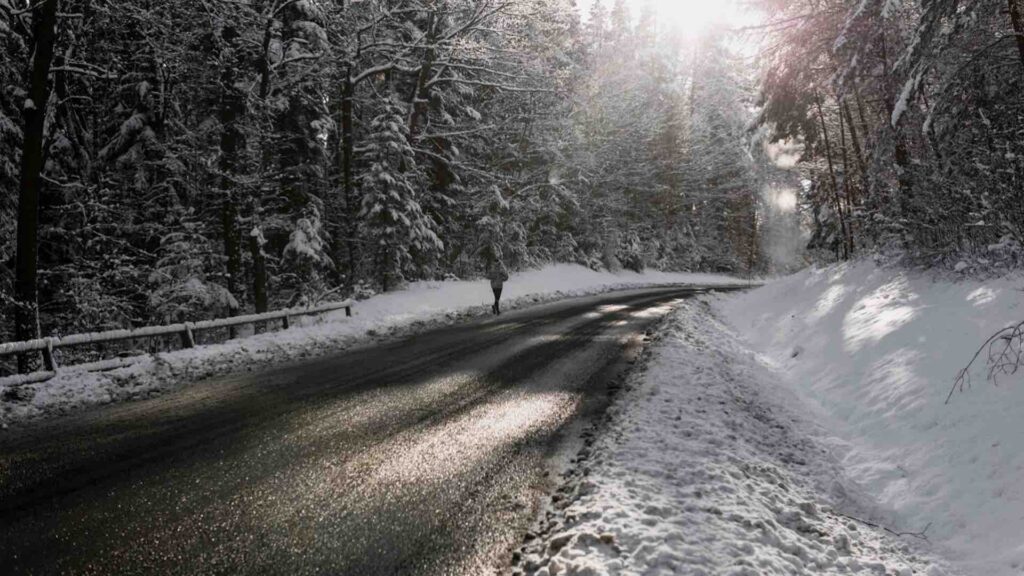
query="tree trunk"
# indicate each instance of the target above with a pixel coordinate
(1017, 21)
(903, 177)
(232, 251)
(259, 288)
(231, 140)
(268, 37)
(864, 129)
(259, 262)
(832, 177)
(259, 273)
(855, 141)
(421, 94)
(232, 248)
(26, 294)
(347, 159)
(847, 188)
(901, 156)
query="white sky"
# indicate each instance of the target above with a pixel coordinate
(690, 15)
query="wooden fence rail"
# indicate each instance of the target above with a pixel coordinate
(186, 331)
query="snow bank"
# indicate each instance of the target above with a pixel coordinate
(421, 304)
(876, 350)
(706, 467)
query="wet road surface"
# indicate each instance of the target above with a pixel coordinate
(422, 456)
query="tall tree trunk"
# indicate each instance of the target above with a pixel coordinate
(847, 188)
(832, 176)
(1017, 21)
(259, 263)
(421, 93)
(231, 140)
(855, 141)
(268, 37)
(347, 160)
(26, 292)
(259, 271)
(864, 129)
(904, 181)
(232, 247)
(901, 155)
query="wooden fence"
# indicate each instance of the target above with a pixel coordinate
(186, 331)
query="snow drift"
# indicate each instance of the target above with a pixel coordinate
(876, 351)
(709, 466)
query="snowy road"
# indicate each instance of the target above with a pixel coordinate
(423, 456)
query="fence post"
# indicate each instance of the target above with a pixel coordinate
(48, 360)
(188, 338)
(186, 332)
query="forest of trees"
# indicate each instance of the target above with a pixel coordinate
(182, 159)
(909, 113)
(164, 160)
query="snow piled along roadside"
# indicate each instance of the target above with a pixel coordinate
(423, 303)
(875, 351)
(705, 467)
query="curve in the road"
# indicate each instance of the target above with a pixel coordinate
(423, 456)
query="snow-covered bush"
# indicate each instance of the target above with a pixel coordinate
(306, 257)
(181, 288)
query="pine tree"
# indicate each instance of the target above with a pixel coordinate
(402, 237)
(13, 45)
(181, 287)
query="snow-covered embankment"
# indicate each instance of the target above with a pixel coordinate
(707, 466)
(875, 351)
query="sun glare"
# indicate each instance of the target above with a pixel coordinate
(696, 16)
(689, 16)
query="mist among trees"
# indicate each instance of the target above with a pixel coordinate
(909, 116)
(177, 159)
(173, 160)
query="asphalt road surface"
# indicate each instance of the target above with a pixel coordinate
(423, 456)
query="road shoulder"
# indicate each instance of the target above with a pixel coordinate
(383, 319)
(705, 465)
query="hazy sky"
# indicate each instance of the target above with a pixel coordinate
(690, 15)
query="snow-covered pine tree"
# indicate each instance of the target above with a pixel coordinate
(501, 238)
(180, 283)
(302, 130)
(401, 236)
(306, 257)
(720, 168)
(13, 45)
(907, 126)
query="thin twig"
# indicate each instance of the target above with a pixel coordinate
(922, 535)
(1005, 353)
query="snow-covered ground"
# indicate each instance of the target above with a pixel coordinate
(422, 304)
(875, 351)
(707, 465)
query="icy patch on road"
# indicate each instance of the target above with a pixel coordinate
(421, 306)
(706, 467)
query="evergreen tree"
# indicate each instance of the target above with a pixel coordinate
(252, 155)
(402, 236)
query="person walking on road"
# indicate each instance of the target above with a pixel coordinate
(498, 275)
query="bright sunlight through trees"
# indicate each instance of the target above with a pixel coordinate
(691, 17)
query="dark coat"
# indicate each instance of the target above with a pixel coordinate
(498, 275)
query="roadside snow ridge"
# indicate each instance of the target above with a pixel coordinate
(706, 468)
